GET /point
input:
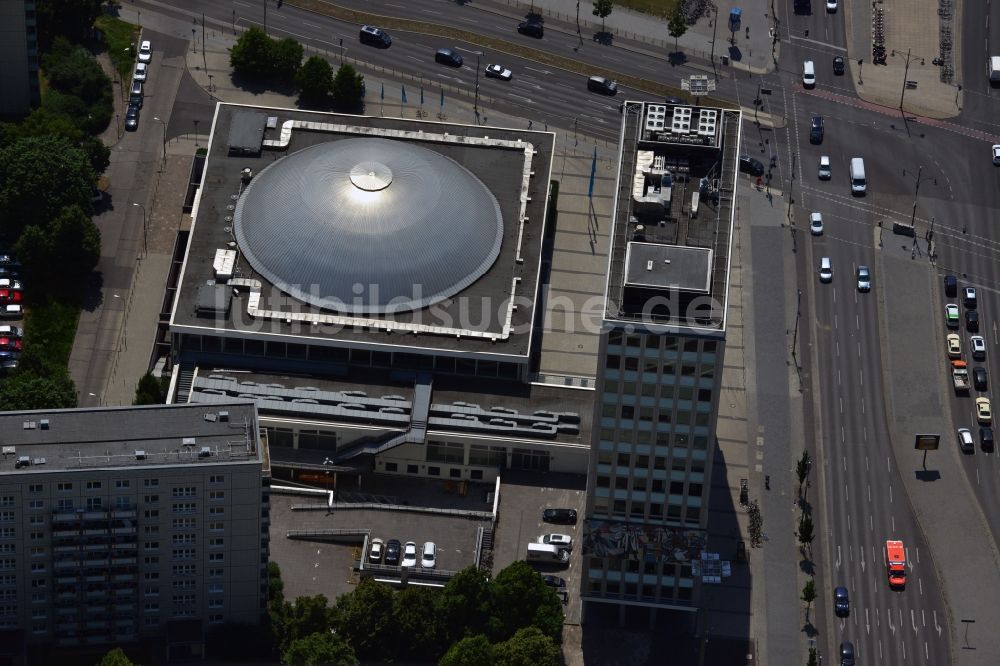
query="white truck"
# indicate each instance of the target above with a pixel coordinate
(960, 376)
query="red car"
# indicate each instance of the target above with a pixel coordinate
(10, 296)
(11, 344)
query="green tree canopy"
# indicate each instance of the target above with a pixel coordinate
(314, 81)
(602, 9)
(308, 615)
(319, 649)
(417, 624)
(50, 120)
(522, 599)
(115, 658)
(470, 651)
(70, 241)
(348, 89)
(73, 19)
(25, 390)
(365, 619)
(286, 58)
(528, 647)
(464, 605)
(75, 71)
(677, 25)
(251, 54)
(39, 177)
(149, 391)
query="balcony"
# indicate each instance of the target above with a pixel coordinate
(125, 591)
(61, 516)
(129, 545)
(67, 580)
(124, 578)
(95, 514)
(96, 562)
(96, 594)
(123, 530)
(72, 548)
(67, 564)
(95, 532)
(66, 596)
(66, 533)
(123, 512)
(97, 624)
(124, 608)
(96, 578)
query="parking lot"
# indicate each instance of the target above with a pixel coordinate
(320, 567)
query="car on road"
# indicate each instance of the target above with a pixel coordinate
(561, 540)
(375, 37)
(979, 378)
(11, 311)
(449, 57)
(984, 412)
(145, 51)
(978, 345)
(972, 321)
(986, 438)
(531, 29)
(132, 118)
(428, 556)
(602, 85)
(864, 279)
(951, 315)
(969, 297)
(965, 441)
(841, 603)
(392, 548)
(498, 72)
(954, 345)
(825, 270)
(831, 6)
(816, 130)
(140, 72)
(950, 286)
(376, 551)
(838, 65)
(816, 224)
(996, 154)
(409, 554)
(808, 74)
(560, 516)
(824, 167)
(847, 653)
(554, 581)
(751, 165)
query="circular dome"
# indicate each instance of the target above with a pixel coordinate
(369, 225)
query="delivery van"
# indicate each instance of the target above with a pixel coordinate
(859, 184)
(547, 552)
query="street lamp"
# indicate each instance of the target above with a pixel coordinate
(143, 226)
(919, 179)
(906, 71)
(476, 103)
(164, 139)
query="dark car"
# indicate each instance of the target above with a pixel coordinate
(751, 165)
(554, 581)
(531, 29)
(979, 378)
(847, 653)
(950, 285)
(132, 118)
(971, 321)
(838, 65)
(375, 37)
(602, 85)
(841, 604)
(561, 516)
(448, 57)
(969, 297)
(816, 130)
(392, 551)
(986, 438)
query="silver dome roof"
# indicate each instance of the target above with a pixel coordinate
(369, 225)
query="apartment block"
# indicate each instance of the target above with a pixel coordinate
(19, 90)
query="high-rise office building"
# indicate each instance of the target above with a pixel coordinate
(19, 54)
(661, 359)
(121, 526)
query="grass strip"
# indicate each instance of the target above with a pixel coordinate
(121, 40)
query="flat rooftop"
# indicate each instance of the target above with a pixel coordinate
(478, 319)
(672, 224)
(116, 437)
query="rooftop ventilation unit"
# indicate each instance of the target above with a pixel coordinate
(22, 461)
(188, 441)
(44, 424)
(656, 117)
(8, 451)
(140, 454)
(224, 416)
(205, 452)
(39, 461)
(211, 417)
(30, 425)
(681, 121)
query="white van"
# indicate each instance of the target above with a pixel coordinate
(547, 552)
(994, 70)
(808, 74)
(858, 182)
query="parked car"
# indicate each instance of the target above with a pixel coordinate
(140, 72)
(965, 441)
(145, 51)
(816, 130)
(132, 118)
(561, 540)
(984, 411)
(951, 315)
(864, 279)
(751, 165)
(11, 311)
(376, 551)
(979, 378)
(409, 554)
(10, 296)
(996, 155)
(953, 344)
(449, 57)
(8, 343)
(392, 551)
(841, 603)
(838, 65)
(816, 224)
(531, 29)
(561, 516)
(428, 559)
(978, 345)
(602, 85)
(498, 72)
(554, 581)
(10, 283)
(824, 168)
(11, 331)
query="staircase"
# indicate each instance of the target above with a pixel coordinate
(184, 379)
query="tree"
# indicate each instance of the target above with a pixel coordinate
(528, 647)
(802, 468)
(522, 599)
(286, 58)
(51, 120)
(26, 390)
(809, 594)
(812, 657)
(806, 530)
(417, 624)
(39, 176)
(464, 605)
(319, 649)
(275, 586)
(677, 25)
(470, 651)
(115, 658)
(314, 81)
(308, 615)
(364, 618)
(70, 241)
(74, 70)
(251, 55)
(98, 154)
(602, 8)
(348, 89)
(149, 391)
(73, 19)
